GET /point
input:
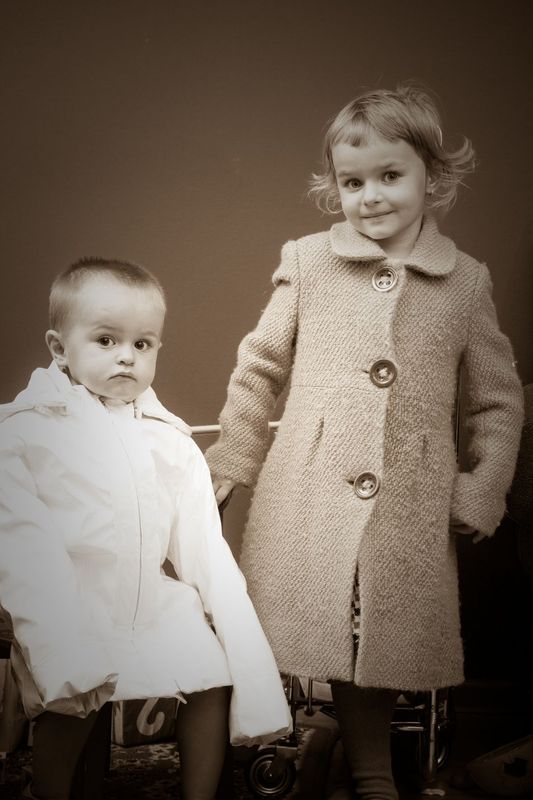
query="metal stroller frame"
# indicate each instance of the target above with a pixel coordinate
(270, 771)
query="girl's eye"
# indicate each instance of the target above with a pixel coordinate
(391, 177)
(105, 341)
(353, 184)
(142, 345)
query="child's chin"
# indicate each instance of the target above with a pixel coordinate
(123, 397)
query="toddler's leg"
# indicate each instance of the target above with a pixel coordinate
(58, 741)
(202, 735)
(364, 717)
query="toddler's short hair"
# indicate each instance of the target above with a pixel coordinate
(70, 281)
(408, 113)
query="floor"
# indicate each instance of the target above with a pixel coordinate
(151, 772)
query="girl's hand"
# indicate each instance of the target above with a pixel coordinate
(466, 530)
(223, 488)
(461, 527)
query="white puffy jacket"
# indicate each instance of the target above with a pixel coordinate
(93, 499)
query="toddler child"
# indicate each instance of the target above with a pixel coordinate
(100, 484)
(358, 501)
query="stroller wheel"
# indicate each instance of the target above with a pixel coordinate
(269, 774)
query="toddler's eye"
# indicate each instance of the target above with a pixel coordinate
(142, 344)
(391, 177)
(105, 341)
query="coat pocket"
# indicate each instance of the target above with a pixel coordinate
(435, 477)
(296, 443)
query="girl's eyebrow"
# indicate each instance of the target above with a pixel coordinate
(345, 173)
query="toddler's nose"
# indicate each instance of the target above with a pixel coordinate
(126, 354)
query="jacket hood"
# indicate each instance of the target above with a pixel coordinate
(50, 390)
(433, 253)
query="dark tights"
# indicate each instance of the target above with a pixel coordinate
(364, 717)
(202, 735)
(58, 742)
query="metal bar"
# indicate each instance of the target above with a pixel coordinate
(408, 727)
(431, 763)
(309, 706)
(200, 429)
(293, 698)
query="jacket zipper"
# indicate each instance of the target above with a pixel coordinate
(139, 524)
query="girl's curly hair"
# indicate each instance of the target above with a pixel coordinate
(407, 113)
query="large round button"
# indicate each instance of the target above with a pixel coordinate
(383, 373)
(366, 485)
(384, 279)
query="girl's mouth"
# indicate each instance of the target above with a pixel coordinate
(376, 216)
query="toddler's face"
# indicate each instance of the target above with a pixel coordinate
(382, 187)
(112, 338)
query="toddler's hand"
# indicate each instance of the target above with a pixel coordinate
(223, 488)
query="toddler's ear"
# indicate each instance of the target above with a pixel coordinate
(57, 350)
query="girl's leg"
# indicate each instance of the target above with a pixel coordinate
(58, 741)
(364, 717)
(202, 735)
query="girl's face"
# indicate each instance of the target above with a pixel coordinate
(382, 187)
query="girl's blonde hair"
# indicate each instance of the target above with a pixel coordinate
(407, 113)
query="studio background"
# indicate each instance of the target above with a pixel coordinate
(181, 135)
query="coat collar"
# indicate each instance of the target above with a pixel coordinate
(433, 253)
(147, 405)
(50, 390)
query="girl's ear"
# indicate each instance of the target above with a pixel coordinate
(56, 347)
(431, 183)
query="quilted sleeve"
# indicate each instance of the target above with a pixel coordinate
(38, 588)
(264, 363)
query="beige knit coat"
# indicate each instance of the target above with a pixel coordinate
(339, 307)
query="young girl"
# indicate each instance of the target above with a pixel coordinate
(99, 485)
(358, 501)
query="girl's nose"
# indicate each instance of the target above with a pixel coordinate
(371, 193)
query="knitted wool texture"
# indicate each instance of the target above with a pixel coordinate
(324, 327)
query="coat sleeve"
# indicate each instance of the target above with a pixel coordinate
(493, 417)
(202, 558)
(38, 588)
(264, 362)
